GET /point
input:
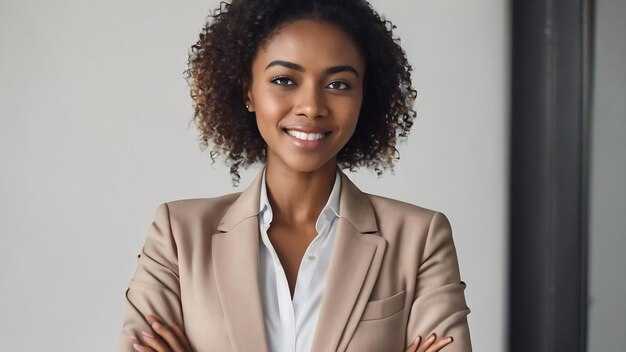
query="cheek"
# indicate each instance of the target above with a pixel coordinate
(270, 106)
(266, 126)
(352, 107)
(350, 116)
(267, 113)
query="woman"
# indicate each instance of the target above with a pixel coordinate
(301, 260)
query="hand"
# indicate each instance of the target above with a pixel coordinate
(429, 344)
(163, 338)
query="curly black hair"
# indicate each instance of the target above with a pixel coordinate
(221, 61)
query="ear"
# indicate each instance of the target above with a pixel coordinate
(247, 94)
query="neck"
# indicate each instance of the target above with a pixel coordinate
(299, 197)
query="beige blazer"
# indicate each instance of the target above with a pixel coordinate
(393, 275)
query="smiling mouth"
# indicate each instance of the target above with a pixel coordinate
(303, 136)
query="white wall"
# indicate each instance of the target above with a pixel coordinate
(607, 212)
(94, 135)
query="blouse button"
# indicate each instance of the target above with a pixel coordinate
(311, 257)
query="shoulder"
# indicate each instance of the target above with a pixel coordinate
(391, 215)
(406, 225)
(397, 214)
(199, 205)
(397, 208)
(198, 210)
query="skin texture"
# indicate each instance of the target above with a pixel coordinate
(299, 179)
(310, 99)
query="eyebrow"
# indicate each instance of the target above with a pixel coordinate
(329, 71)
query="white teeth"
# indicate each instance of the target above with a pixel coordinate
(306, 136)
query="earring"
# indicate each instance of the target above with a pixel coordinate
(247, 106)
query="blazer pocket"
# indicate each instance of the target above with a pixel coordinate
(385, 307)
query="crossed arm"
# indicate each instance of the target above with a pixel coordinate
(438, 309)
(171, 338)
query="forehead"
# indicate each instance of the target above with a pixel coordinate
(311, 43)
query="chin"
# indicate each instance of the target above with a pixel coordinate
(306, 165)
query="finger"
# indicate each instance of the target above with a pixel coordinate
(427, 343)
(440, 344)
(137, 345)
(154, 342)
(181, 336)
(142, 348)
(414, 345)
(167, 334)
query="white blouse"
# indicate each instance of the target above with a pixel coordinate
(290, 325)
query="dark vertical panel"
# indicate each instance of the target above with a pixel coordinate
(548, 178)
(588, 19)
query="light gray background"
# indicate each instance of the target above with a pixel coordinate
(607, 215)
(94, 135)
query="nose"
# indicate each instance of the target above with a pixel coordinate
(310, 102)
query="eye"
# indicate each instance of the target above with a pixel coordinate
(282, 81)
(339, 85)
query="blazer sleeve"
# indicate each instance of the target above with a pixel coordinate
(439, 302)
(155, 287)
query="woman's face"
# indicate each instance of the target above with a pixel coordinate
(306, 92)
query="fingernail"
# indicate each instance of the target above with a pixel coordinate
(450, 338)
(147, 335)
(156, 325)
(432, 336)
(137, 347)
(173, 325)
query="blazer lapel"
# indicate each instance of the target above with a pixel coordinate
(354, 265)
(236, 261)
